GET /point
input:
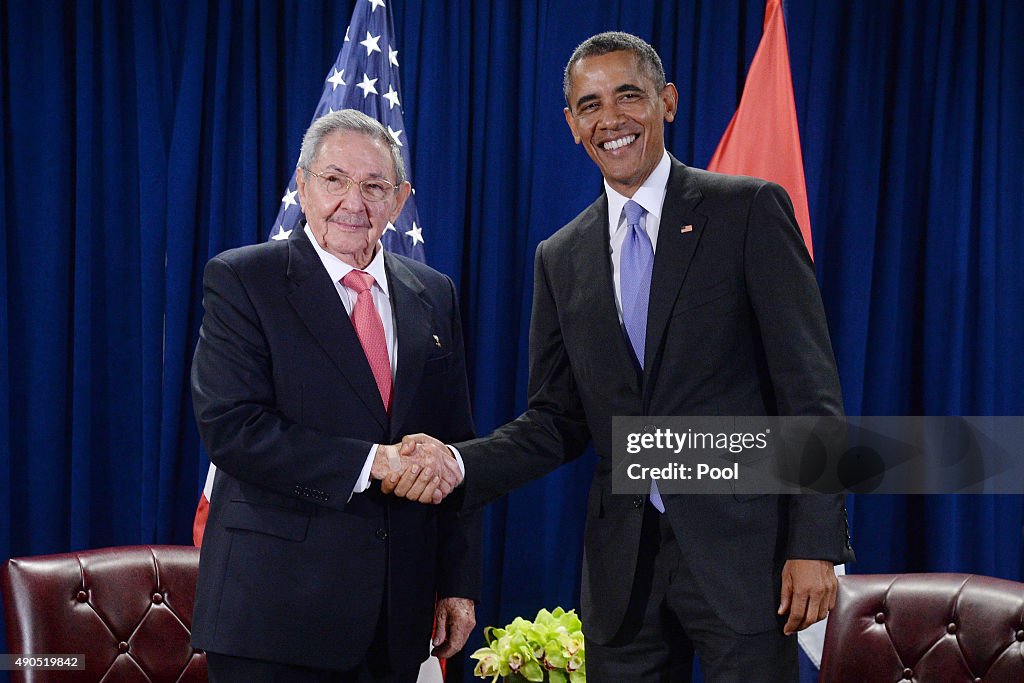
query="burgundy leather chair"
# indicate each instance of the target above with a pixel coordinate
(127, 610)
(944, 628)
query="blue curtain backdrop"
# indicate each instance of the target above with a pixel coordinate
(138, 139)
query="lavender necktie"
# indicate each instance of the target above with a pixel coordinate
(635, 266)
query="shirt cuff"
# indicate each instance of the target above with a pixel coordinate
(363, 482)
(458, 459)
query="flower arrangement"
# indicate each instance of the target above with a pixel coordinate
(549, 648)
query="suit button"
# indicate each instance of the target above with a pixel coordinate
(638, 501)
(382, 534)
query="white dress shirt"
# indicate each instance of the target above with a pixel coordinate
(651, 196)
(337, 270)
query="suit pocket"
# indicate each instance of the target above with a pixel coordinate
(241, 515)
(748, 460)
(703, 296)
(747, 497)
(434, 366)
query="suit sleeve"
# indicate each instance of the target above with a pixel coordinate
(239, 421)
(786, 301)
(552, 431)
(461, 537)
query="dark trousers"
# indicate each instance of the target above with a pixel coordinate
(373, 669)
(229, 669)
(669, 619)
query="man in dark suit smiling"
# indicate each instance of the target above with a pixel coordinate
(315, 352)
(677, 292)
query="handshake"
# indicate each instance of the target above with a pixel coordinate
(420, 468)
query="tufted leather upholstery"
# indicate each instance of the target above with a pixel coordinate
(128, 610)
(942, 628)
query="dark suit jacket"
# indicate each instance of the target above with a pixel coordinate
(735, 327)
(288, 409)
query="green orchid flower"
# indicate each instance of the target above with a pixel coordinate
(550, 648)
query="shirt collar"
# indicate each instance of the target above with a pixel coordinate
(650, 195)
(337, 269)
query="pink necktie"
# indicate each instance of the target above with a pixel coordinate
(370, 331)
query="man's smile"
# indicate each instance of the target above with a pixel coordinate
(618, 143)
(348, 225)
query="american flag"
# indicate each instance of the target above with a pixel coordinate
(365, 77)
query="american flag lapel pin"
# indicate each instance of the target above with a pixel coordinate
(686, 228)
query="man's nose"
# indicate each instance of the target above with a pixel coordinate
(611, 116)
(351, 200)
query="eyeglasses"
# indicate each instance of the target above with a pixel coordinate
(372, 189)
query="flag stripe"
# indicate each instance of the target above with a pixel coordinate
(763, 138)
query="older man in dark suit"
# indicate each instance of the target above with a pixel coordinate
(314, 353)
(677, 292)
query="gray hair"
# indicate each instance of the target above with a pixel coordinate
(348, 120)
(616, 41)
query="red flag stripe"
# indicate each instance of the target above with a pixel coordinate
(763, 138)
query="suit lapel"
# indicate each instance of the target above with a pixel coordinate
(678, 236)
(593, 266)
(413, 316)
(315, 298)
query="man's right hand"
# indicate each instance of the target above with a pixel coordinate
(421, 468)
(429, 474)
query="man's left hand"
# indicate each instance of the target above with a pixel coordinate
(809, 590)
(454, 621)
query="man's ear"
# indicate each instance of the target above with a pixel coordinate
(300, 186)
(670, 98)
(572, 125)
(401, 195)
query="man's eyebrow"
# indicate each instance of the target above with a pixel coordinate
(583, 100)
(629, 87)
(625, 87)
(339, 169)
